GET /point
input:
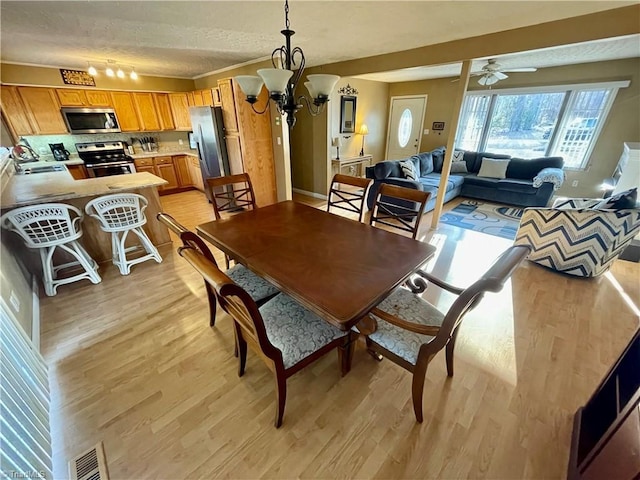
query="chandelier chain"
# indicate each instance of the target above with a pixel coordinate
(286, 14)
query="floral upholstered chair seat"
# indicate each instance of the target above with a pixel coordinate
(257, 287)
(294, 330)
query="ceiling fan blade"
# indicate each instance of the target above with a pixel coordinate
(500, 75)
(488, 79)
(523, 69)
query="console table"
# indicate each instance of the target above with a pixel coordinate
(353, 166)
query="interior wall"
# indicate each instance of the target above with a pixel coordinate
(622, 124)
(51, 77)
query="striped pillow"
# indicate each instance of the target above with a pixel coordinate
(409, 170)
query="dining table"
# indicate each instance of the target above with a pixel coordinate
(337, 267)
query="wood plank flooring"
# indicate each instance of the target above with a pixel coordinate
(134, 363)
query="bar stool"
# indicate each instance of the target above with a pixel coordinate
(49, 226)
(120, 214)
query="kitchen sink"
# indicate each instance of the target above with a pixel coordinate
(41, 169)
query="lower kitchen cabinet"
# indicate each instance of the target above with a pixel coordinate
(175, 170)
(182, 169)
(78, 172)
(196, 173)
(166, 170)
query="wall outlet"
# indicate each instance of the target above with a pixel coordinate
(426, 131)
(574, 183)
(279, 140)
(180, 141)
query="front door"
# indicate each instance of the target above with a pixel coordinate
(405, 126)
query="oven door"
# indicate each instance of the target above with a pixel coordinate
(107, 170)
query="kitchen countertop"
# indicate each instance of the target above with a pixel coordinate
(22, 190)
(189, 153)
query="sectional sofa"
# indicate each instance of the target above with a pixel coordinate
(527, 182)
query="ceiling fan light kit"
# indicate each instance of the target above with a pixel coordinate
(493, 72)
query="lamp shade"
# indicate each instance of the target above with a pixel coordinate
(336, 142)
(250, 84)
(322, 84)
(275, 79)
(364, 130)
(312, 91)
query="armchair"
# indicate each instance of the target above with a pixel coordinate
(574, 238)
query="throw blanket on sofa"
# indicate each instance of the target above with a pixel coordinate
(551, 175)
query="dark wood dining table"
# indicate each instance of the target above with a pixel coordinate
(337, 267)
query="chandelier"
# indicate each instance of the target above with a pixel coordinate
(282, 82)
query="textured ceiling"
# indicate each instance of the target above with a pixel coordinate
(609, 49)
(188, 39)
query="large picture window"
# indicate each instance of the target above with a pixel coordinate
(537, 122)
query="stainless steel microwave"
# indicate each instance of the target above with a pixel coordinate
(90, 120)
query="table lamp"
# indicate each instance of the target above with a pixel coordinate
(337, 142)
(364, 130)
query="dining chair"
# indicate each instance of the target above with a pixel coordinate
(409, 331)
(349, 199)
(400, 208)
(231, 193)
(260, 290)
(284, 334)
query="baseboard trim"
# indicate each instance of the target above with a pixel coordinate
(309, 194)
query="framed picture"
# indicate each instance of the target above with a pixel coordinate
(438, 126)
(77, 77)
(347, 114)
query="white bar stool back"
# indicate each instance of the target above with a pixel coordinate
(120, 214)
(49, 226)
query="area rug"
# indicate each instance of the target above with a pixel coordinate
(497, 220)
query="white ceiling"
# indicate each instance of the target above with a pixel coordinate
(191, 38)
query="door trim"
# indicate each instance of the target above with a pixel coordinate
(424, 114)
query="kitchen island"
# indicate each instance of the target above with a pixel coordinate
(60, 187)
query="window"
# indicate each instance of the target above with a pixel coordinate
(536, 122)
(404, 128)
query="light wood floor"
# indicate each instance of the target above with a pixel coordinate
(133, 363)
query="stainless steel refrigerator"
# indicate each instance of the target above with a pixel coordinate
(208, 136)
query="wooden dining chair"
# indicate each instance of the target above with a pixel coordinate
(400, 208)
(231, 193)
(284, 334)
(260, 290)
(349, 199)
(410, 331)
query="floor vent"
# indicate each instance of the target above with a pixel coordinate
(90, 465)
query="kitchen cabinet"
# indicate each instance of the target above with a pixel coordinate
(183, 171)
(180, 109)
(71, 98)
(163, 109)
(14, 112)
(198, 101)
(207, 97)
(162, 167)
(249, 141)
(147, 113)
(98, 98)
(125, 111)
(43, 110)
(196, 173)
(215, 92)
(78, 172)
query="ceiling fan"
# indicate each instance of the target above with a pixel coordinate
(493, 72)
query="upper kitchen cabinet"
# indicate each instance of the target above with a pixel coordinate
(147, 113)
(207, 97)
(228, 105)
(68, 97)
(180, 109)
(125, 111)
(43, 110)
(164, 111)
(14, 112)
(215, 92)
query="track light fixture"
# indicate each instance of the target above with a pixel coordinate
(111, 69)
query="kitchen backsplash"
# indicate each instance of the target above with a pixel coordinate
(167, 141)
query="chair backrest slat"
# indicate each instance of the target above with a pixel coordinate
(400, 208)
(230, 193)
(351, 200)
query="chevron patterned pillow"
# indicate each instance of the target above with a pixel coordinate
(409, 170)
(626, 199)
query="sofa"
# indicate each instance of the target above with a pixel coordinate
(527, 182)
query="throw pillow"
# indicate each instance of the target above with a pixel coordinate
(626, 199)
(458, 156)
(493, 168)
(409, 170)
(459, 167)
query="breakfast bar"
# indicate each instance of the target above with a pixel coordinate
(61, 187)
